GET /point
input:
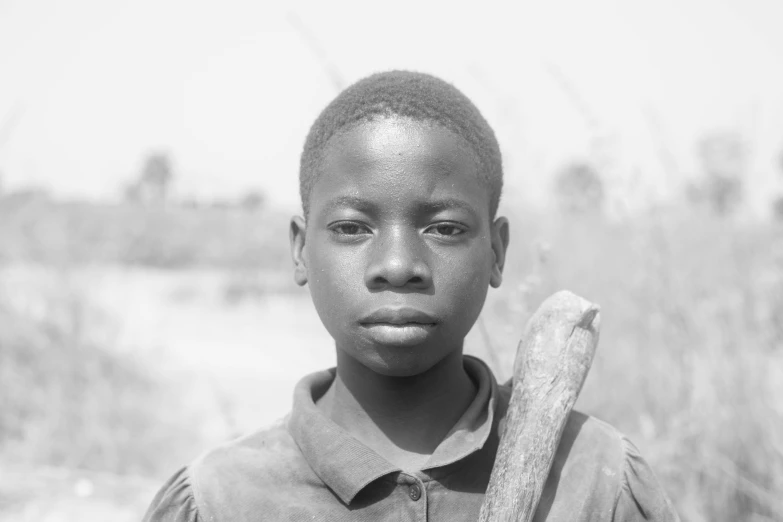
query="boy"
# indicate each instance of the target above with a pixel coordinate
(400, 181)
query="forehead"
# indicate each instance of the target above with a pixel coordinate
(399, 160)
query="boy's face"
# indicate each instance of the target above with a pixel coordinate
(398, 249)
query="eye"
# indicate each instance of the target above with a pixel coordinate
(445, 229)
(348, 228)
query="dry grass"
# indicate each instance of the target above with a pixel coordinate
(68, 403)
(690, 363)
(76, 233)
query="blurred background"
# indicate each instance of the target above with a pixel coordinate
(148, 168)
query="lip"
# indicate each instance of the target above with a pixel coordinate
(398, 326)
(398, 316)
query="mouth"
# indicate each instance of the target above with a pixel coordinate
(398, 317)
(398, 326)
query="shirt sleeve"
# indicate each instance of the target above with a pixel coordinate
(641, 497)
(174, 502)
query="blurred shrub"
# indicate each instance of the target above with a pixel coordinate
(579, 189)
(777, 209)
(154, 181)
(253, 201)
(723, 161)
(690, 363)
(66, 402)
(43, 231)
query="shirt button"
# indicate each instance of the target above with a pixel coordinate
(414, 492)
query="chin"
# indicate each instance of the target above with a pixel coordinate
(399, 361)
(397, 371)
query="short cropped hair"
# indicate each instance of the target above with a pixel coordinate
(407, 94)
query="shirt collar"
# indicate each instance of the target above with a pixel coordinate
(346, 465)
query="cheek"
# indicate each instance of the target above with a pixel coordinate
(334, 279)
(468, 281)
(476, 292)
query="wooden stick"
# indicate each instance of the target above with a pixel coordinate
(552, 361)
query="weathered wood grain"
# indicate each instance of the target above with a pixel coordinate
(551, 364)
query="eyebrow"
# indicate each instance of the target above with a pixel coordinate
(432, 207)
(354, 202)
(429, 207)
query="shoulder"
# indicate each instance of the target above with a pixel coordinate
(261, 452)
(599, 473)
(231, 481)
(588, 436)
(174, 501)
(252, 473)
(598, 470)
(584, 438)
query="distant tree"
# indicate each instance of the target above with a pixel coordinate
(7, 127)
(777, 209)
(191, 203)
(157, 175)
(579, 189)
(154, 181)
(27, 195)
(723, 159)
(222, 204)
(253, 200)
(131, 192)
(777, 204)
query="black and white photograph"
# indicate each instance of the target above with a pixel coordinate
(412, 261)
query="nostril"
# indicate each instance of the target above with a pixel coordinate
(380, 280)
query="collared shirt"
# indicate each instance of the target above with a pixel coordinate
(306, 467)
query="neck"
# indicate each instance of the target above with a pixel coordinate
(402, 418)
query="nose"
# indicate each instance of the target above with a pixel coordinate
(398, 260)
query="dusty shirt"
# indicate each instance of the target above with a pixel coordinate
(306, 467)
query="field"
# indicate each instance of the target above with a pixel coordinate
(131, 339)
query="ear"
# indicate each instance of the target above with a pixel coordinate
(500, 240)
(296, 236)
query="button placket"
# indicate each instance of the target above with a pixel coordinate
(414, 492)
(416, 505)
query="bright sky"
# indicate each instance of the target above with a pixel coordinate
(230, 87)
